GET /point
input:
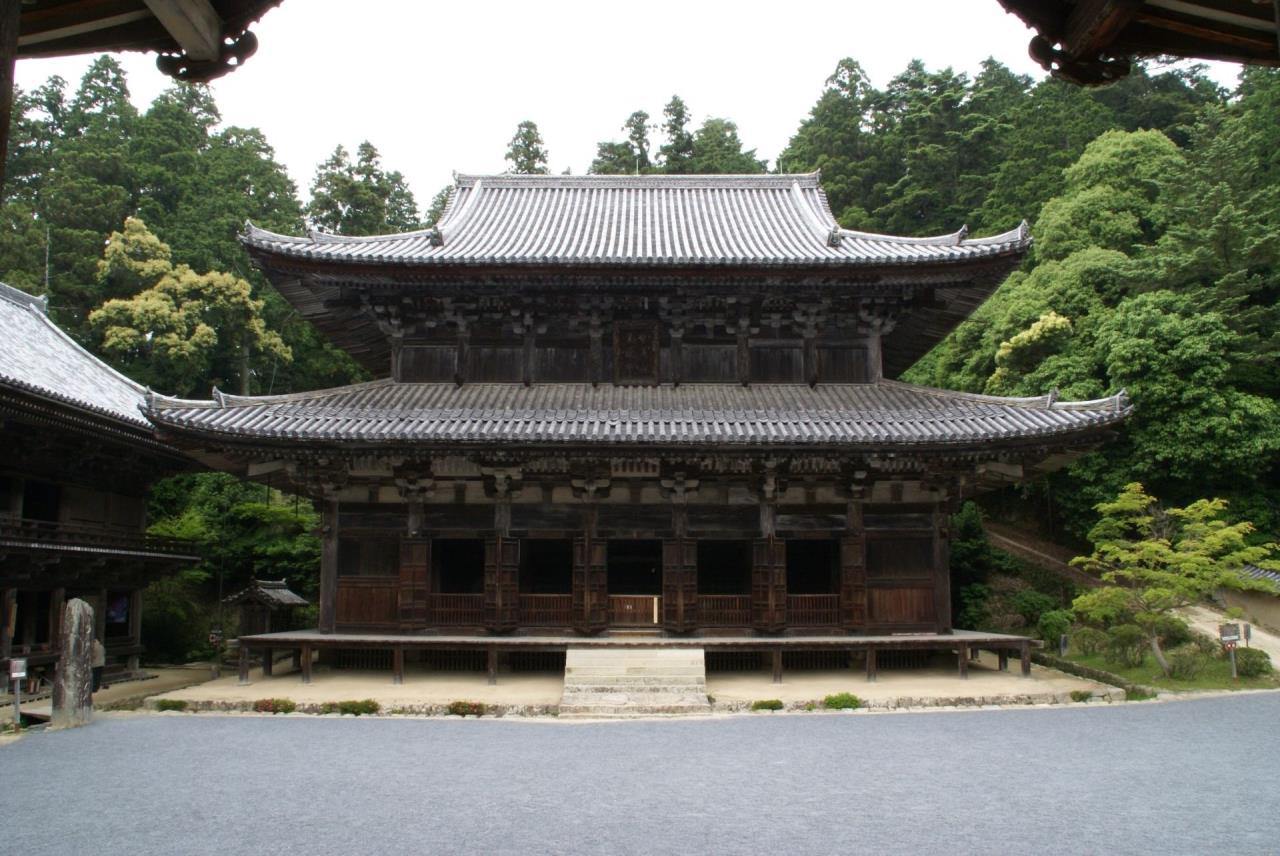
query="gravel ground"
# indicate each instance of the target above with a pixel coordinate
(1184, 777)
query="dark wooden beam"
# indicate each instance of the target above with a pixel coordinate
(1094, 24)
(306, 663)
(777, 665)
(871, 664)
(329, 566)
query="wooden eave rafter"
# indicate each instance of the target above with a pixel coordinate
(198, 39)
(1092, 42)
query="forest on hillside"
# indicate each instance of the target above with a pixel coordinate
(1154, 203)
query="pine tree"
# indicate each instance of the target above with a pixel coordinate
(526, 152)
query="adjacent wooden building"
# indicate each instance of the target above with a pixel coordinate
(612, 403)
(78, 459)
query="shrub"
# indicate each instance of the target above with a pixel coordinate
(467, 708)
(973, 606)
(275, 705)
(1081, 695)
(1126, 645)
(1031, 604)
(1173, 631)
(1089, 640)
(767, 704)
(842, 701)
(1185, 662)
(1206, 644)
(1252, 662)
(171, 704)
(1053, 624)
(355, 708)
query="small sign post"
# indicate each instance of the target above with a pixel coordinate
(215, 639)
(1248, 634)
(1230, 635)
(17, 671)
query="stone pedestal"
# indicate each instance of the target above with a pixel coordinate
(73, 679)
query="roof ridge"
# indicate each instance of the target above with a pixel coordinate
(785, 179)
(1118, 401)
(40, 303)
(221, 399)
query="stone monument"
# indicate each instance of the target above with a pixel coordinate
(73, 679)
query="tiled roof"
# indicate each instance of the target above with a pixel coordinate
(274, 593)
(881, 415)
(692, 220)
(38, 357)
(1263, 574)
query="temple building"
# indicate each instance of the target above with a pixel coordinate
(79, 457)
(652, 403)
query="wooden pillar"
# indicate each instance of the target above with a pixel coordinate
(875, 364)
(297, 659)
(135, 626)
(777, 665)
(491, 665)
(677, 355)
(942, 568)
(1002, 660)
(329, 565)
(8, 613)
(853, 572)
(1026, 659)
(268, 661)
(744, 347)
(871, 664)
(962, 659)
(100, 617)
(244, 664)
(306, 664)
(10, 18)
(397, 664)
(57, 601)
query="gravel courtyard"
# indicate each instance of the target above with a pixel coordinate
(1184, 777)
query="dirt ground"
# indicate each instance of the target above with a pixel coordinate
(893, 688)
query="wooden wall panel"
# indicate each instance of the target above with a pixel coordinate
(368, 602)
(900, 605)
(769, 584)
(680, 585)
(415, 582)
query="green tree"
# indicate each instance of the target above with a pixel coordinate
(360, 198)
(718, 149)
(182, 327)
(628, 157)
(526, 152)
(676, 154)
(1156, 560)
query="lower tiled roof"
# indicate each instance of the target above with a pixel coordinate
(882, 414)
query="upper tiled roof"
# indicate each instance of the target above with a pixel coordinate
(38, 357)
(1262, 574)
(882, 415)
(691, 220)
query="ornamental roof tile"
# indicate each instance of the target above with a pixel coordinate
(38, 357)
(881, 415)
(669, 220)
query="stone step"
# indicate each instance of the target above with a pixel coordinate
(620, 683)
(634, 685)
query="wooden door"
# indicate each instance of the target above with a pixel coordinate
(679, 585)
(502, 583)
(415, 582)
(769, 584)
(590, 585)
(853, 582)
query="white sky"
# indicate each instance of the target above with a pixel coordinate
(439, 87)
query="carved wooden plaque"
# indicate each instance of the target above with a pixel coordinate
(635, 352)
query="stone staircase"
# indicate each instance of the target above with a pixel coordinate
(615, 683)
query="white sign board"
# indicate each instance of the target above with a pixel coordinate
(17, 669)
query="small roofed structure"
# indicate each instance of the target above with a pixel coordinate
(1093, 42)
(263, 599)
